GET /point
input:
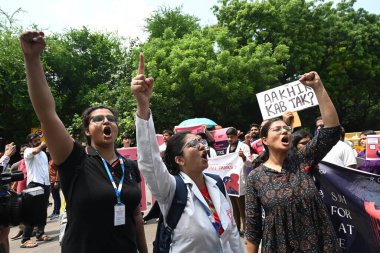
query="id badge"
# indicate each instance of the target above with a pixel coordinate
(119, 214)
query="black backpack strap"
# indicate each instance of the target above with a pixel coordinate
(219, 182)
(164, 233)
(178, 203)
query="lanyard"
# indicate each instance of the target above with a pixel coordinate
(117, 189)
(210, 215)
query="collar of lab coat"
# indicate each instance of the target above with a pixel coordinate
(211, 187)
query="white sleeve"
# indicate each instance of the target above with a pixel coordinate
(160, 182)
(4, 160)
(247, 153)
(28, 153)
(349, 156)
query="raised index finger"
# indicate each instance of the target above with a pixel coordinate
(141, 64)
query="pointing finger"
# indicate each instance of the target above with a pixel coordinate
(141, 64)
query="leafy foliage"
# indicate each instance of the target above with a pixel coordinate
(211, 72)
(341, 43)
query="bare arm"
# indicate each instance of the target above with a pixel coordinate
(142, 89)
(38, 149)
(32, 44)
(140, 232)
(327, 108)
(252, 247)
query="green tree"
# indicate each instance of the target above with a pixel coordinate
(86, 68)
(173, 18)
(16, 113)
(204, 74)
(341, 43)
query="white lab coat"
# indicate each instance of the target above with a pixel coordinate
(194, 231)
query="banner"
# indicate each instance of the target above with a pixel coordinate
(230, 169)
(39, 132)
(192, 129)
(221, 143)
(130, 153)
(160, 139)
(292, 97)
(352, 199)
(372, 150)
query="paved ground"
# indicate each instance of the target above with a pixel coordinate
(52, 230)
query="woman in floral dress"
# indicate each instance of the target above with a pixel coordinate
(296, 219)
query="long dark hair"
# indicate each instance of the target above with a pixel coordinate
(173, 149)
(86, 118)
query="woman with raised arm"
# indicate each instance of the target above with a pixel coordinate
(296, 219)
(207, 223)
(101, 187)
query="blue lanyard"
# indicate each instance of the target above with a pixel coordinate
(117, 189)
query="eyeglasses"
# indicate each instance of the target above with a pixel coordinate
(99, 119)
(194, 143)
(279, 128)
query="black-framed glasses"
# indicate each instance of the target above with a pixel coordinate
(279, 128)
(99, 119)
(194, 143)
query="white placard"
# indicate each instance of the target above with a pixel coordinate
(291, 97)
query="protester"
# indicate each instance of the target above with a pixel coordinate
(166, 134)
(300, 139)
(206, 224)
(10, 150)
(238, 202)
(54, 189)
(19, 186)
(253, 135)
(296, 219)
(36, 163)
(372, 166)
(15, 165)
(318, 124)
(210, 150)
(126, 140)
(101, 218)
(341, 154)
(257, 147)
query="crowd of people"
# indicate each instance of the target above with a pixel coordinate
(278, 209)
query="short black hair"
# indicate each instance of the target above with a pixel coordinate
(173, 149)
(167, 131)
(86, 118)
(126, 135)
(202, 135)
(368, 132)
(254, 125)
(298, 136)
(318, 118)
(231, 131)
(31, 136)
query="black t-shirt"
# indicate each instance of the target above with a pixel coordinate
(91, 198)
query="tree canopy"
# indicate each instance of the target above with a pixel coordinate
(199, 71)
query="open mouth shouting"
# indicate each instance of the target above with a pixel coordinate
(107, 132)
(285, 140)
(204, 155)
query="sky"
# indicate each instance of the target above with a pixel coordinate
(126, 17)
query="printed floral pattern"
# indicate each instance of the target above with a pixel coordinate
(296, 219)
